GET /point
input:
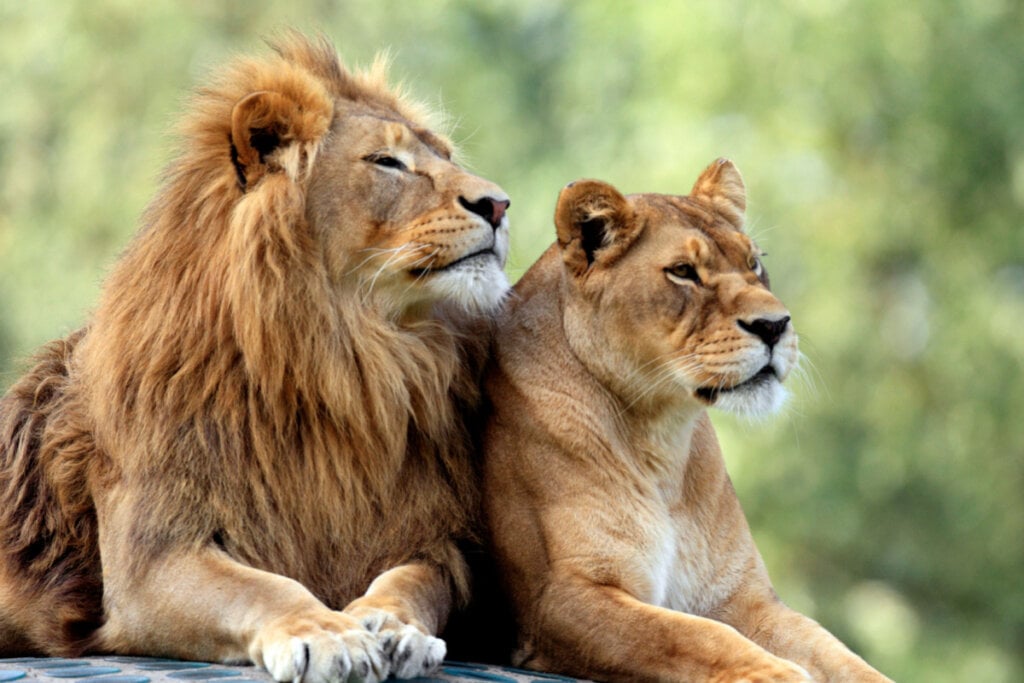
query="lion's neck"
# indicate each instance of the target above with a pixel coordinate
(291, 354)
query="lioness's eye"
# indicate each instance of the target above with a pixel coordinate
(682, 272)
(386, 161)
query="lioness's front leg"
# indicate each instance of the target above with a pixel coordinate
(406, 606)
(763, 618)
(203, 605)
(603, 632)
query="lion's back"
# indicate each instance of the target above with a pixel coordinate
(49, 569)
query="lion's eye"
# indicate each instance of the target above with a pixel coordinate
(754, 263)
(683, 272)
(386, 161)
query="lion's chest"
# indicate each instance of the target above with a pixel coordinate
(342, 530)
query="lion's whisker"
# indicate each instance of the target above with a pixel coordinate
(392, 258)
(376, 251)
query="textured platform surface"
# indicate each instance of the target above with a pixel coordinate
(148, 670)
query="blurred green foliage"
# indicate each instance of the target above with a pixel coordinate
(883, 148)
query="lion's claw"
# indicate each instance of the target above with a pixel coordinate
(322, 650)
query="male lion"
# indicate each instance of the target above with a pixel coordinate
(620, 538)
(256, 449)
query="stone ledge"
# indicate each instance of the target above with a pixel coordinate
(114, 669)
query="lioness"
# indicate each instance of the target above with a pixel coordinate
(619, 536)
(257, 449)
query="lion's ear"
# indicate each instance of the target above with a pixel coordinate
(591, 218)
(722, 186)
(267, 129)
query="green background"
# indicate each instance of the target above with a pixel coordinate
(883, 148)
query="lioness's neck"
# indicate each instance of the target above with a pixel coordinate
(663, 441)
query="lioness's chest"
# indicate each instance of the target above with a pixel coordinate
(686, 572)
(682, 571)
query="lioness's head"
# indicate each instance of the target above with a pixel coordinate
(392, 216)
(666, 299)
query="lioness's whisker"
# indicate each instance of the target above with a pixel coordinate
(670, 367)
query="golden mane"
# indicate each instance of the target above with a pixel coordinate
(300, 364)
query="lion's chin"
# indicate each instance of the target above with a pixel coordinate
(477, 286)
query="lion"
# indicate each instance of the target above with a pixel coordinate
(618, 535)
(258, 447)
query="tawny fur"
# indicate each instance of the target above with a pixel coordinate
(270, 382)
(622, 545)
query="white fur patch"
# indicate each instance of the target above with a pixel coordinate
(757, 401)
(478, 285)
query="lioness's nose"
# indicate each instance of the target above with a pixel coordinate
(490, 209)
(770, 331)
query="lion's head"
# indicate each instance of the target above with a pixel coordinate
(423, 229)
(393, 214)
(666, 292)
(313, 221)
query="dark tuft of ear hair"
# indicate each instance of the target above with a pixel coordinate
(592, 218)
(256, 131)
(264, 141)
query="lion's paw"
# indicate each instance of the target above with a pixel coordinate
(335, 650)
(410, 652)
(413, 653)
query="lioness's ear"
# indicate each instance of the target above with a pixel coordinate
(267, 129)
(591, 218)
(722, 185)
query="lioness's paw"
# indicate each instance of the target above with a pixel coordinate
(409, 651)
(334, 649)
(765, 670)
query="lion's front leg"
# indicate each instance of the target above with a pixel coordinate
(406, 606)
(203, 605)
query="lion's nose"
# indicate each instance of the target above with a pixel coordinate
(770, 331)
(490, 209)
